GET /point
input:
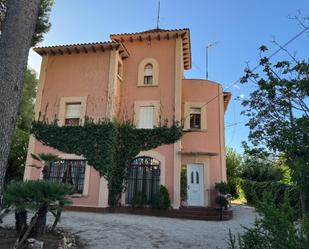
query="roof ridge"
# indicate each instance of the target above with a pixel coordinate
(156, 30)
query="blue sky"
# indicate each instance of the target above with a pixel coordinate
(239, 27)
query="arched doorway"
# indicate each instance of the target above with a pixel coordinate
(144, 177)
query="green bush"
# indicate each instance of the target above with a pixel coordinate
(222, 187)
(37, 196)
(162, 199)
(275, 228)
(256, 169)
(139, 199)
(183, 185)
(253, 192)
(222, 201)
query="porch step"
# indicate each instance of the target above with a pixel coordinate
(182, 213)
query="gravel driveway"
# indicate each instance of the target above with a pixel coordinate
(118, 231)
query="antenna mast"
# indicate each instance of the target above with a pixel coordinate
(158, 18)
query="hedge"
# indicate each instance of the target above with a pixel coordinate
(253, 192)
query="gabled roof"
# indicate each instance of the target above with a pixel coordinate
(159, 34)
(82, 48)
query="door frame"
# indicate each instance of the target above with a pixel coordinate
(202, 175)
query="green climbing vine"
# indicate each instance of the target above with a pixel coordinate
(108, 146)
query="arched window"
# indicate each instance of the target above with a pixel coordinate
(148, 74)
(144, 177)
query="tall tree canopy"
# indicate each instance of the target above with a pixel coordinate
(18, 33)
(42, 26)
(278, 112)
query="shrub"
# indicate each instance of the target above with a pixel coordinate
(183, 185)
(253, 192)
(37, 196)
(260, 170)
(139, 199)
(222, 187)
(275, 228)
(162, 199)
(222, 201)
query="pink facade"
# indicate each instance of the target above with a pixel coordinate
(137, 77)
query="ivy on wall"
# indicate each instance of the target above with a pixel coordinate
(108, 146)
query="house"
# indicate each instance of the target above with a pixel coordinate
(139, 77)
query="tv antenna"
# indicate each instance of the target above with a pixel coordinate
(158, 17)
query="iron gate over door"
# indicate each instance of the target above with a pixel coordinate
(144, 176)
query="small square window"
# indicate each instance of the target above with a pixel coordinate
(73, 112)
(195, 118)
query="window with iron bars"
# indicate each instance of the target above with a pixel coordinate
(69, 171)
(144, 176)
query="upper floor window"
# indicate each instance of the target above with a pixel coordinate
(73, 114)
(195, 118)
(148, 74)
(146, 117)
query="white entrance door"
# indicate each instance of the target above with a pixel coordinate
(195, 184)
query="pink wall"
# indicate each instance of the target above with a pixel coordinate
(208, 141)
(76, 75)
(164, 53)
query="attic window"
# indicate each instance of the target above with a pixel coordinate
(148, 74)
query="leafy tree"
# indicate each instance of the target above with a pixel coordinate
(37, 196)
(233, 167)
(17, 156)
(25, 112)
(278, 114)
(17, 19)
(275, 228)
(18, 151)
(42, 26)
(260, 170)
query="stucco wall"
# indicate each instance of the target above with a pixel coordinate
(211, 140)
(76, 75)
(164, 53)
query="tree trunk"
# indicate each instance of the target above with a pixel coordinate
(57, 219)
(21, 222)
(15, 40)
(40, 225)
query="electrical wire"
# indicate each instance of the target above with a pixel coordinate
(257, 66)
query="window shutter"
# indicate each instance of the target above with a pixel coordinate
(73, 111)
(146, 117)
(148, 72)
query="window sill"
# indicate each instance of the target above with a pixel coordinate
(150, 85)
(195, 130)
(78, 195)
